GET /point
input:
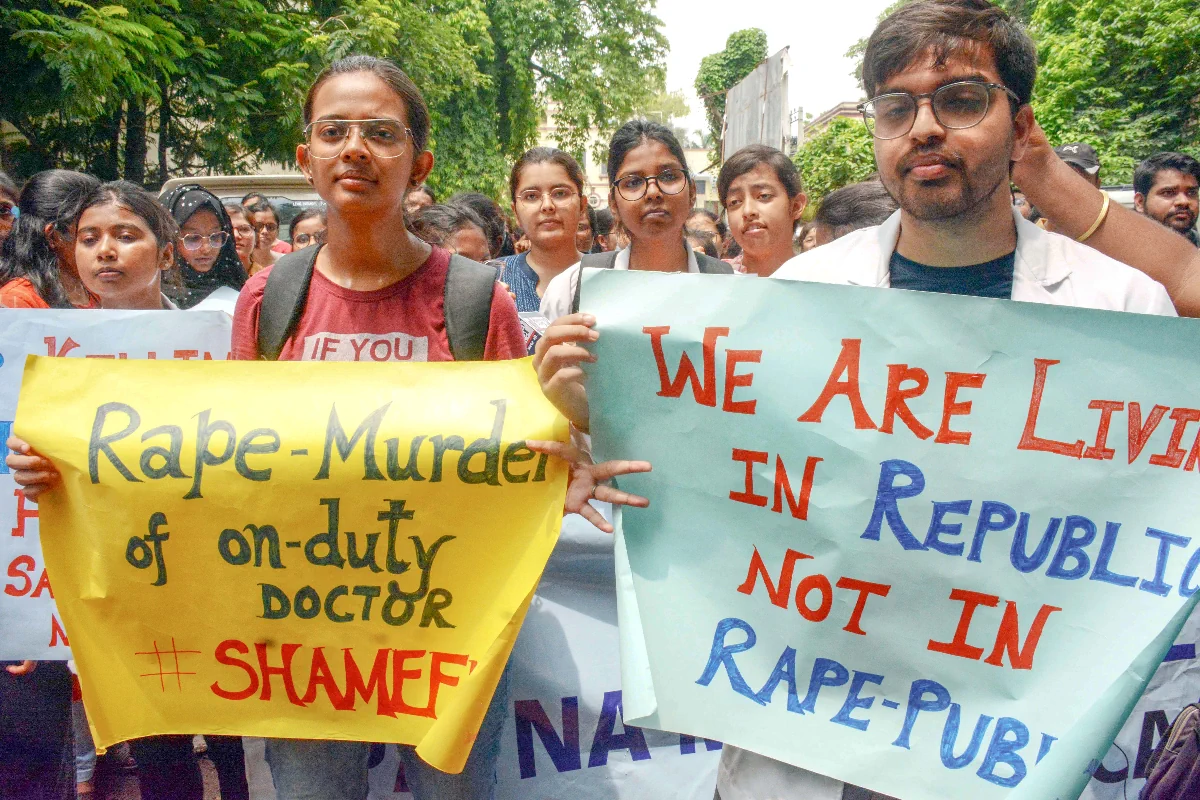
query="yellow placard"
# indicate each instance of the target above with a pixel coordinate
(325, 551)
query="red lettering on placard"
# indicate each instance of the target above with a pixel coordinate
(847, 364)
(23, 513)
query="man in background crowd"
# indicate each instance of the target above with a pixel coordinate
(1166, 188)
(1083, 159)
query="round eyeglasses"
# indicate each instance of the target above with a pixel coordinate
(958, 105)
(384, 138)
(634, 187)
(194, 241)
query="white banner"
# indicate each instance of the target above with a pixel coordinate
(29, 624)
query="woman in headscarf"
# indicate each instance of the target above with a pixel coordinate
(205, 256)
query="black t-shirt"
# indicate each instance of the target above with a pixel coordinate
(990, 279)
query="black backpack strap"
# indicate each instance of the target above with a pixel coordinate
(283, 300)
(712, 266)
(470, 287)
(604, 260)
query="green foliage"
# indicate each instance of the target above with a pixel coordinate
(720, 72)
(220, 83)
(1122, 75)
(841, 154)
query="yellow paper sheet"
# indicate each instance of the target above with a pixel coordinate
(189, 546)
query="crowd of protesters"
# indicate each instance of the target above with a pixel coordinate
(969, 198)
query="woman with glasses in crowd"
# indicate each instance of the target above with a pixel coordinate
(546, 189)
(205, 256)
(244, 235)
(37, 259)
(308, 227)
(652, 195)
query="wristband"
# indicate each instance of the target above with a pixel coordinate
(1099, 218)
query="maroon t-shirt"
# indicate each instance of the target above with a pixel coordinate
(402, 322)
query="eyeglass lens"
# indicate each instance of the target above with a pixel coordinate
(194, 241)
(956, 105)
(669, 181)
(385, 138)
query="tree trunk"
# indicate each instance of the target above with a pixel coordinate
(135, 141)
(164, 126)
(108, 160)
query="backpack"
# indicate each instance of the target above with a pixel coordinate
(1173, 771)
(468, 304)
(708, 266)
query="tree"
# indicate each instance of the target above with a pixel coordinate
(720, 72)
(220, 83)
(840, 154)
(1123, 75)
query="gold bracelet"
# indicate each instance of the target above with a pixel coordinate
(1099, 218)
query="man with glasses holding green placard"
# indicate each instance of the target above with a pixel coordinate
(950, 83)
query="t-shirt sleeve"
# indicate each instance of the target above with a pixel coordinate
(20, 293)
(504, 340)
(245, 318)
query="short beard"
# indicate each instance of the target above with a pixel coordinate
(969, 204)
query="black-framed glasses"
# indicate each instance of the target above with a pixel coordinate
(385, 138)
(958, 105)
(267, 227)
(194, 241)
(634, 187)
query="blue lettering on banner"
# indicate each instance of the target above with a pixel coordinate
(563, 749)
(607, 740)
(1003, 760)
(5, 432)
(1076, 556)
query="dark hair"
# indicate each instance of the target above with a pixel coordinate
(945, 28)
(437, 223)
(707, 241)
(859, 205)
(751, 156)
(802, 231)
(636, 132)
(545, 155)
(722, 228)
(1147, 171)
(134, 198)
(312, 212)
(262, 205)
(491, 218)
(424, 188)
(254, 197)
(7, 187)
(604, 222)
(394, 77)
(52, 197)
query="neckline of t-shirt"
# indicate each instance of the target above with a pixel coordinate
(1004, 263)
(375, 295)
